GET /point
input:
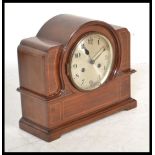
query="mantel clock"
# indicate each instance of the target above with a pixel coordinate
(73, 72)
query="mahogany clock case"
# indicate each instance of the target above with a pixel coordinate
(51, 105)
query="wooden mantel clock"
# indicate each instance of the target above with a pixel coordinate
(73, 72)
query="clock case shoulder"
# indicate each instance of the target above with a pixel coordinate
(37, 73)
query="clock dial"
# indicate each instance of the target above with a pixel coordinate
(91, 61)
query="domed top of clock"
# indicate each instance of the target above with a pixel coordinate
(62, 27)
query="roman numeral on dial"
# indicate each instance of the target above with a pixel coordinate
(82, 81)
(90, 41)
(77, 55)
(74, 65)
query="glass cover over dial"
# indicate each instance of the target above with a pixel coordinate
(91, 61)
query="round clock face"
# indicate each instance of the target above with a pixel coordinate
(91, 61)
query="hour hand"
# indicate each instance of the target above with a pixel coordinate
(88, 53)
(86, 50)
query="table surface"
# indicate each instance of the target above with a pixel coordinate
(126, 131)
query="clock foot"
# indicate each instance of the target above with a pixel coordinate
(42, 133)
(132, 104)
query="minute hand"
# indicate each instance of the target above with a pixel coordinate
(98, 54)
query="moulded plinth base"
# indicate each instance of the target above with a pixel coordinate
(52, 134)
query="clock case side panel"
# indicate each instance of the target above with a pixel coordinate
(124, 71)
(124, 38)
(38, 63)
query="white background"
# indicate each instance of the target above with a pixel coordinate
(25, 20)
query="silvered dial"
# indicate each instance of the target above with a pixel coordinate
(91, 61)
